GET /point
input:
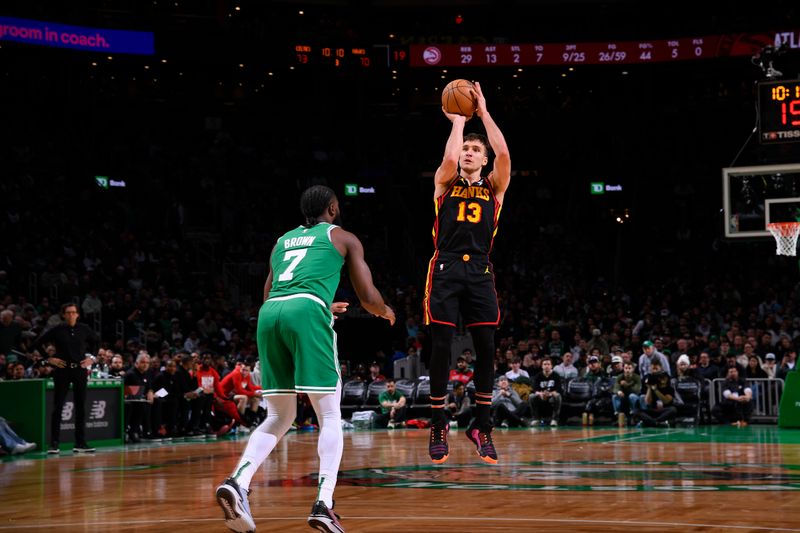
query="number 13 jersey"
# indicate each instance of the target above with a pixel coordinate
(466, 218)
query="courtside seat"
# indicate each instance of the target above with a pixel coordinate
(353, 395)
(374, 390)
(577, 394)
(688, 401)
(408, 388)
(422, 397)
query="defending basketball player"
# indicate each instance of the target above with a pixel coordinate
(460, 275)
(297, 351)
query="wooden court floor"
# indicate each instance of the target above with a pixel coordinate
(567, 479)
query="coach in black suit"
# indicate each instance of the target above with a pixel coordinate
(71, 362)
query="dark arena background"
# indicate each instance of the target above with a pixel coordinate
(151, 153)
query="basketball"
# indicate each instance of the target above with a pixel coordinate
(457, 98)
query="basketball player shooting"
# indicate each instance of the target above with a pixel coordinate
(460, 275)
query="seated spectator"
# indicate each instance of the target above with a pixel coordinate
(788, 363)
(165, 408)
(529, 364)
(117, 368)
(221, 365)
(627, 357)
(565, 369)
(15, 371)
(769, 365)
(650, 355)
(138, 400)
(615, 368)
(238, 387)
(593, 372)
(516, 372)
(11, 442)
(393, 406)
(375, 373)
(194, 403)
(683, 369)
(222, 407)
(467, 355)
(600, 403)
(546, 396)
(461, 372)
(754, 370)
(10, 332)
(736, 404)
(730, 361)
(705, 369)
(625, 393)
(657, 405)
(507, 408)
(458, 408)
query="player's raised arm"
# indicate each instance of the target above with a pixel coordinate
(452, 150)
(360, 275)
(501, 174)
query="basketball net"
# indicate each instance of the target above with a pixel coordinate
(785, 234)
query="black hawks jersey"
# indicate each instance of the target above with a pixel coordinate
(466, 218)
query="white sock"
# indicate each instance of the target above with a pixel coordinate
(280, 413)
(330, 443)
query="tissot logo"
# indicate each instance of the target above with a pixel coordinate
(773, 135)
(432, 55)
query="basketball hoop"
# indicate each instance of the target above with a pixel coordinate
(785, 234)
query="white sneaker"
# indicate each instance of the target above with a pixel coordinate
(390, 425)
(233, 500)
(22, 448)
(554, 423)
(534, 423)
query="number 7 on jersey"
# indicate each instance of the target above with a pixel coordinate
(296, 256)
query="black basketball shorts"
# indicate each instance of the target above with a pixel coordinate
(460, 283)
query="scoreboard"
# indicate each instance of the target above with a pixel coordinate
(594, 53)
(334, 56)
(779, 111)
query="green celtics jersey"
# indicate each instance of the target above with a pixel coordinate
(305, 261)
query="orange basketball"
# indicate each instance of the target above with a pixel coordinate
(457, 98)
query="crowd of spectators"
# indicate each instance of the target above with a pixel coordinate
(208, 186)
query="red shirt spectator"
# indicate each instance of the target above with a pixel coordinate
(238, 382)
(208, 380)
(462, 372)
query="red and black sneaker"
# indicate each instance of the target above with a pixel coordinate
(438, 447)
(483, 442)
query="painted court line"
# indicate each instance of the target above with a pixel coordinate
(604, 438)
(406, 519)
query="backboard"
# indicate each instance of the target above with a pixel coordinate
(755, 196)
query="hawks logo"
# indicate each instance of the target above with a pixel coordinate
(432, 55)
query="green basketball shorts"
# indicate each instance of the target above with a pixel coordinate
(297, 346)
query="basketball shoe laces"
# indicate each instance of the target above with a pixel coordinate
(438, 447)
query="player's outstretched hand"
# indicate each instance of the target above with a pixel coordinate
(388, 314)
(338, 307)
(480, 100)
(452, 117)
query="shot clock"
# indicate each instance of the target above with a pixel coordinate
(779, 111)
